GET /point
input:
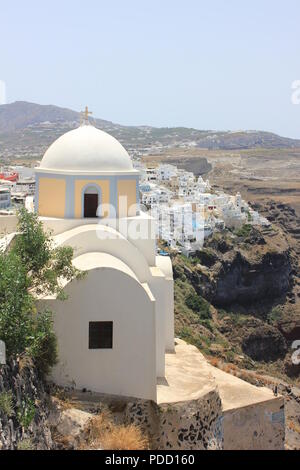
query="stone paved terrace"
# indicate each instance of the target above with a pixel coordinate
(253, 416)
(189, 376)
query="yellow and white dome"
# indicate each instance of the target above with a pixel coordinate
(86, 149)
(86, 173)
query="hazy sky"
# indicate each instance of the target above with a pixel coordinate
(217, 64)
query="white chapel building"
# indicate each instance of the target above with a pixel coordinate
(118, 321)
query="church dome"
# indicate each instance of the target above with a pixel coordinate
(86, 149)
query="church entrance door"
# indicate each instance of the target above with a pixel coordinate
(90, 205)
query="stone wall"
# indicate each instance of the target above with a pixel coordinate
(25, 425)
(192, 425)
(257, 427)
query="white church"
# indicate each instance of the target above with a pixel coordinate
(118, 321)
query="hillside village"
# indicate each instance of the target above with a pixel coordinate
(186, 209)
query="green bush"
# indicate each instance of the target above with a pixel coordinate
(26, 413)
(243, 231)
(44, 265)
(199, 305)
(187, 334)
(30, 268)
(44, 344)
(207, 324)
(230, 356)
(274, 315)
(6, 403)
(16, 304)
(22, 328)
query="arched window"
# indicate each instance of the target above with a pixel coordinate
(91, 201)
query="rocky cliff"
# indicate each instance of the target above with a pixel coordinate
(241, 285)
(243, 268)
(24, 409)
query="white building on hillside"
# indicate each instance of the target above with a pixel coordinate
(117, 323)
(166, 172)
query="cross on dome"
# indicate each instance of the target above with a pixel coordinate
(85, 115)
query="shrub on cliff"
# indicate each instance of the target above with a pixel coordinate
(6, 403)
(243, 231)
(31, 267)
(199, 305)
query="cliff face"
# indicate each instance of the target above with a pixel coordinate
(24, 409)
(243, 270)
(288, 220)
(244, 280)
(248, 278)
(264, 342)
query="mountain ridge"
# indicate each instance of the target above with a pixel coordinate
(27, 129)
